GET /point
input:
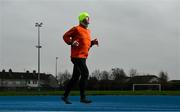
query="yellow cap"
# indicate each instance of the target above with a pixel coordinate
(83, 16)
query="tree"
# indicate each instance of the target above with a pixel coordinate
(104, 75)
(10, 70)
(63, 77)
(96, 73)
(132, 72)
(3, 70)
(163, 77)
(118, 74)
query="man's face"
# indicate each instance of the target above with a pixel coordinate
(86, 21)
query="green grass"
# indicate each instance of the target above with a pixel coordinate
(43, 92)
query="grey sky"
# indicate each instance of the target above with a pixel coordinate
(139, 34)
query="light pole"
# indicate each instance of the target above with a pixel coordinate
(56, 67)
(38, 47)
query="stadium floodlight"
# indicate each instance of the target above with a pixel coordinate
(38, 24)
(38, 47)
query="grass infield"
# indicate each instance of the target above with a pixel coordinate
(109, 92)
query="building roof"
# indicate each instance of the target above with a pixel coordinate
(143, 79)
(23, 75)
(175, 81)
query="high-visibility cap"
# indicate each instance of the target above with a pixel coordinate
(82, 16)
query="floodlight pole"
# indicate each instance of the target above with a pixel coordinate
(38, 47)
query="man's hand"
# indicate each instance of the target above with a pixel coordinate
(95, 42)
(75, 43)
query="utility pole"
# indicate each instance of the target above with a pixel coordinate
(38, 47)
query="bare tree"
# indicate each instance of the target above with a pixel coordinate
(133, 72)
(118, 74)
(163, 77)
(96, 73)
(63, 77)
(104, 75)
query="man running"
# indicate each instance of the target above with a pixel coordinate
(80, 40)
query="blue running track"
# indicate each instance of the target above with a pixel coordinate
(100, 103)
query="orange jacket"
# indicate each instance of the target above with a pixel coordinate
(81, 35)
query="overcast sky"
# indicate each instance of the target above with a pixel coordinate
(139, 34)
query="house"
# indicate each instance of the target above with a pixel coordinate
(174, 81)
(26, 79)
(144, 79)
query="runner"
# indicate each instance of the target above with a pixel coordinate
(80, 40)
